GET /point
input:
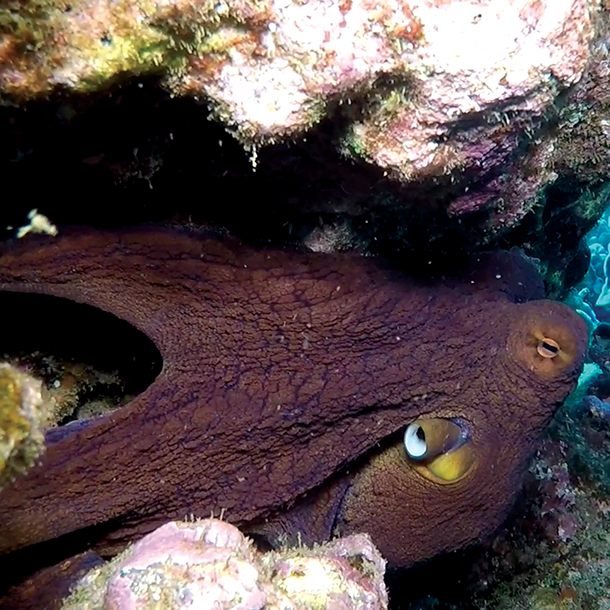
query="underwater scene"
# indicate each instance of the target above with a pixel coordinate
(305, 305)
(545, 544)
(553, 551)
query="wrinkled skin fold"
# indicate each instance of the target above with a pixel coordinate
(287, 382)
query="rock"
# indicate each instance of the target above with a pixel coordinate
(456, 149)
(209, 564)
(23, 417)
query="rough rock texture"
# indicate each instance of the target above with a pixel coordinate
(209, 564)
(273, 67)
(23, 417)
(426, 100)
(456, 149)
(557, 557)
(481, 75)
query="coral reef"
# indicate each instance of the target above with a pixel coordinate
(591, 298)
(563, 563)
(72, 390)
(23, 417)
(209, 564)
(455, 149)
(273, 68)
(417, 98)
(460, 108)
(39, 390)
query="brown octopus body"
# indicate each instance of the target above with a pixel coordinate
(310, 393)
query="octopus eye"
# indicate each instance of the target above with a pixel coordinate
(548, 348)
(548, 339)
(439, 449)
(548, 357)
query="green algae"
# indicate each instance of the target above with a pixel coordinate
(22, 416)
(85, 46)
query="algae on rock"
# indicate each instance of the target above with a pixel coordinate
(22, 420)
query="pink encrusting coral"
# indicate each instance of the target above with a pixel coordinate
(209, 564)
(484, 62)
(467, 101)
(272, 67)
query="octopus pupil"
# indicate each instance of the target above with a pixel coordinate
(549, 347)
(421, 435)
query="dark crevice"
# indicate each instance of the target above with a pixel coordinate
(21, 564)
(89, 360)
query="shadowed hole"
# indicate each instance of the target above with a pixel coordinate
(89, 360)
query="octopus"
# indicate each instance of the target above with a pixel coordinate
(300, 393)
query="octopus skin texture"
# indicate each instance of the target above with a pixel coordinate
(288, 382)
